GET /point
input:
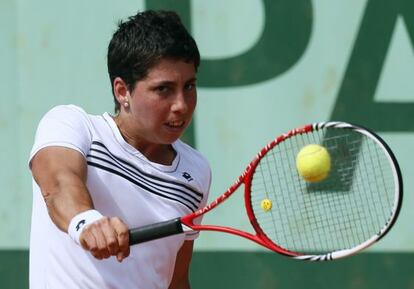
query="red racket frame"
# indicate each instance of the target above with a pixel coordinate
(185, 223)
(246, 178)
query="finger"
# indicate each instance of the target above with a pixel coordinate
(123, 238)
(87, 240)
(89, 243)
(110, 235)
(102, 248)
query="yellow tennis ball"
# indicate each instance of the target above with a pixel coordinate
(313, 163)
(266, 205)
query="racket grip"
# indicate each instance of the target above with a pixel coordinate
(155, 231)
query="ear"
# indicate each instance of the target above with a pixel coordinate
(121, 91)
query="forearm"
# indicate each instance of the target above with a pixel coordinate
(65, 199)
(63, 186)
(61, 175)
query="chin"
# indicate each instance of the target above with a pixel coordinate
(171, 137)
(170, 140)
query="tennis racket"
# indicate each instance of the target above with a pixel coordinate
(355, 206)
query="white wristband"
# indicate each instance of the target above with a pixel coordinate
(80, 221)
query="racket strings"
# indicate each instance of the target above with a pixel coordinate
(346, 164)
(379, 202)
(344, 210)
(275, 183)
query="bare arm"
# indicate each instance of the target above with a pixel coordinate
(180, 279)
(61, 175)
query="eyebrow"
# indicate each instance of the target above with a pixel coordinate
(168, 82)
(192, 79)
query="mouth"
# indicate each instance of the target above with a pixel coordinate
(177, 124)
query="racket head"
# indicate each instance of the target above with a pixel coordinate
(355, 206)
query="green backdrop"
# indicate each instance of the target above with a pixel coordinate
(267, 66)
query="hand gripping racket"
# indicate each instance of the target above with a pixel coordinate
(351, 209)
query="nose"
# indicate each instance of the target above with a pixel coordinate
(180, 104)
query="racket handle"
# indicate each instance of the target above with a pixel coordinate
(155, 231)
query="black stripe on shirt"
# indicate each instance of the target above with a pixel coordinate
(169, 196)
(143, 181)
(160, 185)
(139, 171)
(155, 185)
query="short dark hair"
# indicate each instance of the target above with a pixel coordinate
(143, 40)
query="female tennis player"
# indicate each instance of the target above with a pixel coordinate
(96, 176)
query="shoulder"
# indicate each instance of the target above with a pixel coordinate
(63, 111)
(66, 117)
(64, 125)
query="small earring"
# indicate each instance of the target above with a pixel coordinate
(126, 104)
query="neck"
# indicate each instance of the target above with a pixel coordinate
(158, 153)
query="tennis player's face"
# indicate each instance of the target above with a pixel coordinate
(162, 104)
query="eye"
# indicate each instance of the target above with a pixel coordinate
(162, 89)
(190, 86)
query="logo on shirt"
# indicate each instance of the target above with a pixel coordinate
(80, 225)
(187, 176)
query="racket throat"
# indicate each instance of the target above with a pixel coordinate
(186, 228)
